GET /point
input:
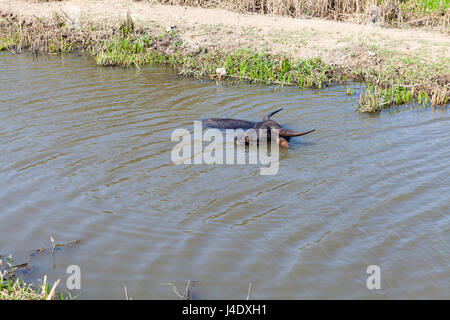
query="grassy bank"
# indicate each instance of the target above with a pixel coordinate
(14, 288)
(397, 13)
(242, 64)
(17, 289)
(396, 81)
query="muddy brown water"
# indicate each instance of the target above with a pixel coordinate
(85, 154)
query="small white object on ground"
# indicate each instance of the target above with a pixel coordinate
(221, 71)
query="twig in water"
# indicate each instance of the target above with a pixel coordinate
(249, 288)
(187, 291)
(126, 293)
(174, 289)
(44, 283)
(53, 245)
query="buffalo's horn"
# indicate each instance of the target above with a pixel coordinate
(267, 117)
(289, 133)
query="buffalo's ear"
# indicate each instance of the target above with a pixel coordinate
(283, 143)
(267, 117)
(289, 133)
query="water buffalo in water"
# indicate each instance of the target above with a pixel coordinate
(284, 134)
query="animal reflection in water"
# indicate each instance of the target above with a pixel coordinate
(267, 125)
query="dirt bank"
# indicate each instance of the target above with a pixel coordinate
(419, 59)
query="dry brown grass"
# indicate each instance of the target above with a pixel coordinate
(383, 12)
(50, 36)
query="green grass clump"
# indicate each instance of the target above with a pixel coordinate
(123, 51)
(5, 44)
(17, 289)
(404, 80)
(431, 5)
(374, 99)
(255, 66)
(258, 66)
(127, 50)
